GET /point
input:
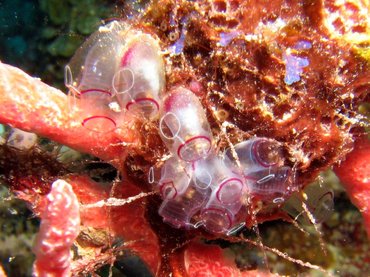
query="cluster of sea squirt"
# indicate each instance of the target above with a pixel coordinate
(118, 69)
(121, 70)
(199, 186)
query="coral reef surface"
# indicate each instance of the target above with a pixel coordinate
(232, 107)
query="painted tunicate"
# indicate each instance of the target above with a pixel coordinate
(140, 80)
(179, 212)
(184, 127)
(89, 75)
(270, 183)
(227, 186)
(174, 180)
(212, 191)
(205, 193)
(217, 219)
(261, 161)
(254, 154)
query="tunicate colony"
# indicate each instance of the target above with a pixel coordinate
(121, 70)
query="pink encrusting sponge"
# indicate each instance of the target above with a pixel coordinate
(60, 222)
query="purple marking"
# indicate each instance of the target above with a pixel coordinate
(226, 38)
(303, 45)
(178, 46)
(294, 68)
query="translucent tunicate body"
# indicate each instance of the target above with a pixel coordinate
(214, 192)
(261, 162)
(226, 185)
(94, 106)
(205, 193)
(209, 191)
(89, 76)
(319, 201)
(140, 80)
(226, 191)
(270, 184)
(217, 219)
(175, 179)
(255, 154)
(184, 127)
(178, 212)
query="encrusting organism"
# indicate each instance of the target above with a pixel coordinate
(60, 226)
(214, 113)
